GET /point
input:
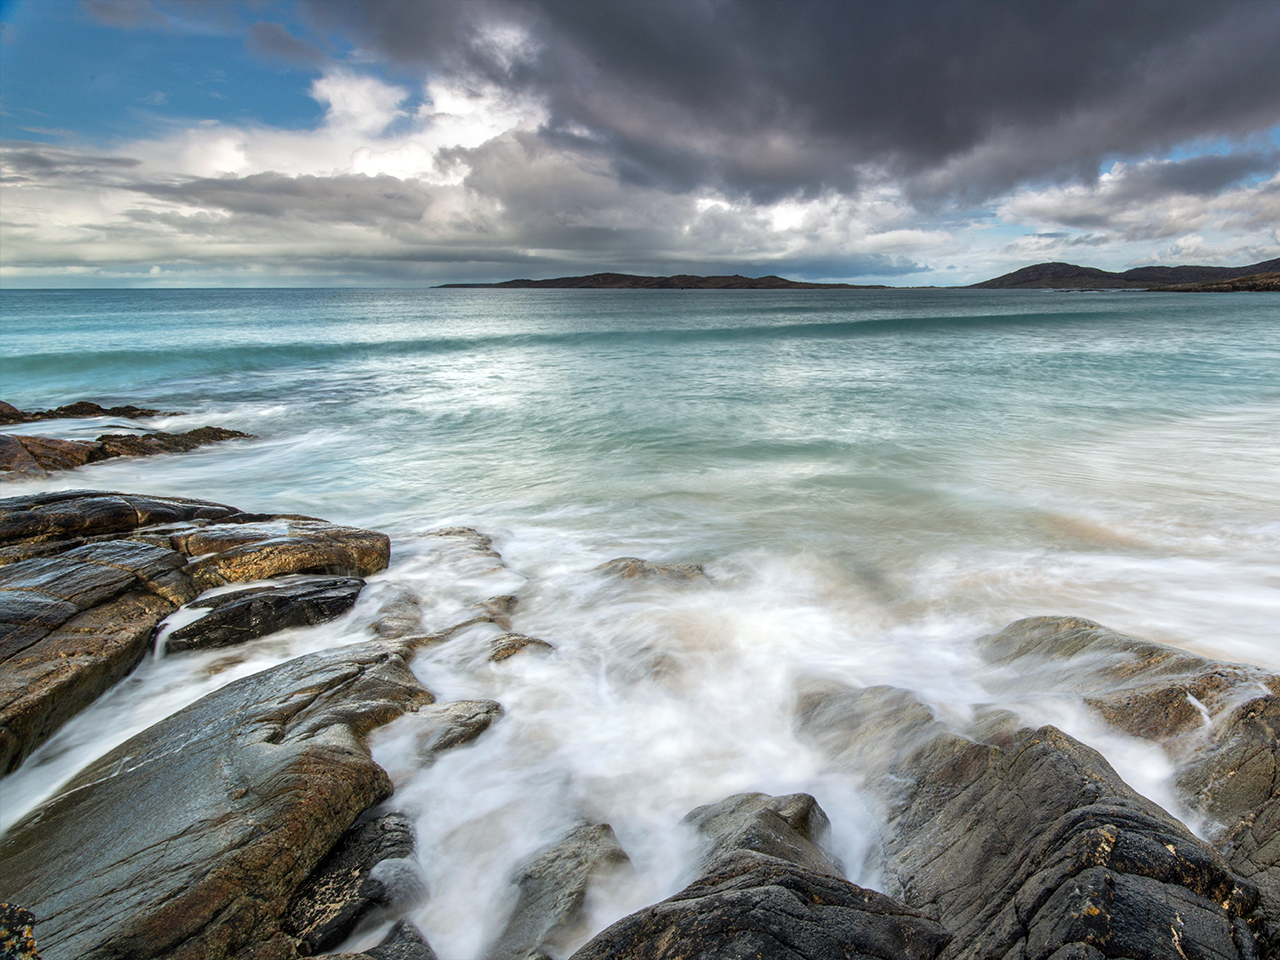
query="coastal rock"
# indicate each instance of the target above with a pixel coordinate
(88, 576)
(249, 614)
(370, 870)
(786, 828)
(17, 462)
(230, 803)
(50, 453)
(73, 625)
(232, 552)
(481, 544)
(553, 886)
(78, 410)
(757, 906)
(1217, 721)
(1146, 689)
(768, 890)
(17, 933)
(633, 568)
(509, 644)
(449, 725)
(497, 610)
(1037, 846)
(399, 616)
(70, 515)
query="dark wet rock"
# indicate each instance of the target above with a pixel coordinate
(1235, 781)
(788, 828)
(1032, 848)
(150, 444)
(553, 886)
(249, 614)
(78, 410)
(509, 644)
(190, 839)
(17, 933)
(370, 871)
(450, 725)
(633, 568)
(757, 906)
(1217, 721)
(233, 552)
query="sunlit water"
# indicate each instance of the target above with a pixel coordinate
(871, 479)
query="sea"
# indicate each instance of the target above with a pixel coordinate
(871, 480)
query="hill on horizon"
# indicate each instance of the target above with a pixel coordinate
(627, 281)
(1070, 276)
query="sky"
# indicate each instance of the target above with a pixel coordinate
(415, 142)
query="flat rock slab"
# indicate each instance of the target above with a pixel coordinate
(249, 614)
(371, 869)
(229, 805)
(756, 906)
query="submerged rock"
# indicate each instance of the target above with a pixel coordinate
(509, 644)
(370, 870)
(449, 725)
(249, 614)
(190, 839)
(633, 568)
(553, 886)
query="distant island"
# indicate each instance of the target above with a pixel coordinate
(626, 281)
(1040, 276)
(1189, 279)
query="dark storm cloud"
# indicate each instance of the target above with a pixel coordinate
(30, 163)
(272, 40)
(354, 198)
(769, 99)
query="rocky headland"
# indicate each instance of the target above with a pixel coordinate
(29, 457)
(254, 823)
(1180, 279)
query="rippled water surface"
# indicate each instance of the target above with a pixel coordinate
(872, 479)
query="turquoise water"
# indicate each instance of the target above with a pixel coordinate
(872, 478)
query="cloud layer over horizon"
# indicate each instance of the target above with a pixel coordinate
(931, 142)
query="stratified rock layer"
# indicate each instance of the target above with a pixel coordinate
(86, 576)
(189, 840)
